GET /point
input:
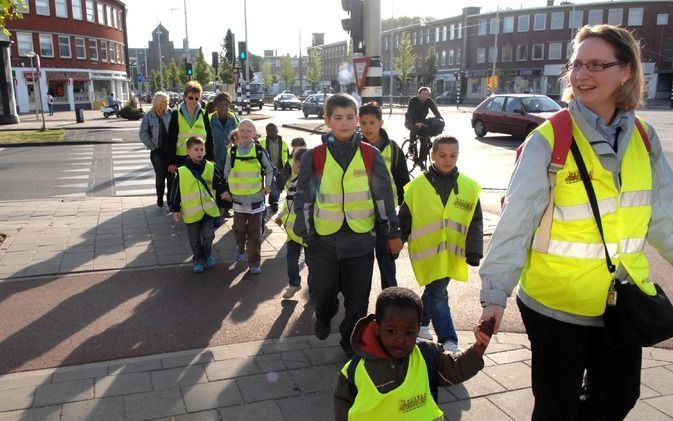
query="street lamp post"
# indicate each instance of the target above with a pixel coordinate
(36, 88)
(161, 66)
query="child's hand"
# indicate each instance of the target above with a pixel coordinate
(394, 246)
(176, 216)
(267, 190)
(226, 196)
(482, 333)
(278, 221)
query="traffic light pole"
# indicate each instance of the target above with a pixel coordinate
(373, 86)
(247, 61)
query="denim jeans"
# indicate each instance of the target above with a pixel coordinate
(293, 253)
(201, 234)
(386, 263)
(436, 308)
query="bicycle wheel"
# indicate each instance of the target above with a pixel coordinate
(409, 150)
(424, 163)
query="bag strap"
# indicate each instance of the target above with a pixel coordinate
(200, 178)
(584, 174)
(320, 155)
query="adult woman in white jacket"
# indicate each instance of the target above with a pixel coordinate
(153, 132)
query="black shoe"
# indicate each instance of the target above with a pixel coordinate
(160, 202)
(274, 208)
(227, 214)
(321, 329)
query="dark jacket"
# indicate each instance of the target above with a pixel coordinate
(444, 185)
(417, 111)
(389, 374)
(174, 199)
(399, 164)
(172, 140)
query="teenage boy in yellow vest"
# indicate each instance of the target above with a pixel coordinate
(279, 153)
(371, 125)
(196, 186)
(294, 244)
(336, 207)
(394, 376)
(442, 220)
(246, 187)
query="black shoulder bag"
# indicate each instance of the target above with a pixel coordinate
(631, 316)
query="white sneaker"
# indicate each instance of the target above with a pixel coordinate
(451, 347)
(425, 333)
(290, 291)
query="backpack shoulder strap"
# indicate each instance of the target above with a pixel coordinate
(350, 374)
(232, 155)
(431, 363)
(563, 136)
(319, 157)
(367, 151)
(643, 133)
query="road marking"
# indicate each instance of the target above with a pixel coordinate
(2, 149)
(132, 171)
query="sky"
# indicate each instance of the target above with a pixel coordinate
(281, 25)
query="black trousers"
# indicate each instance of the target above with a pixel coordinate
(163, 178)
(352, 277)
(561, 352)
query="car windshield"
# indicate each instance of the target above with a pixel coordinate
(540, 104)
(287, 97)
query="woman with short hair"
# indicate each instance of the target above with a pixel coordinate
(153, 133)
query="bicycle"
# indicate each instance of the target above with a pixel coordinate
(411, 152)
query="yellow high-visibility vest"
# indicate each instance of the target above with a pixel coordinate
(284, 151)
(387, 155)
(195, 202)
(185, 131)
(245, 177)
(438, 231)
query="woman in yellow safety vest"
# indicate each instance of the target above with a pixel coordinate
(188, 120)
(560, 264)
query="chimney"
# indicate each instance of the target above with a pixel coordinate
(550, 3)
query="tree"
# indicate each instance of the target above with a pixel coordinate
(405, 60)
(175, 76)
(404, 21)
(203, 71)
(267, 78)
(10, 10)
(225, 72)
(314, 68)
(228, 48)
(287, 71)
(155, 80)
(430, 67)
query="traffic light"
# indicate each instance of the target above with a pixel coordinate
(188, 70)
(242, 51)
(230, 55)
(355, 25)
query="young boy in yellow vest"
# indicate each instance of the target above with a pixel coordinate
(371, 125)
(249, 173)
(279, 153)
(394, 375)
(197, 185)
(342, 189)
(294, 243)
(442, 220)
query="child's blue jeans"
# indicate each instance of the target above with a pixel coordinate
(436, 308)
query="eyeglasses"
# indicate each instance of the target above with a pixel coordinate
(591, 66)
(193, 98)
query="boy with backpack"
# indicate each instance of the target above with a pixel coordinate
(393, 375)
(249, 174)
(279, 153)
(342, 189)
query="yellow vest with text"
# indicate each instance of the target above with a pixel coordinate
(284, 151)
(439, 232)
(387, 154)
(412, 400)
(245, 177)
(344, 195)
(185, 131)
(573, 276)
(195, 202)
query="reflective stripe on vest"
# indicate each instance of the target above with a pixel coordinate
(411, 400)
(288, 217)
(245, 177)
(344, 195)
(387, 154)
(439, 232)
(195, 202)
(284, 151)
(185, 131)
(572, 276)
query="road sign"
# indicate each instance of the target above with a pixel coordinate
(360, 67)
(132, 63)
(140, 77)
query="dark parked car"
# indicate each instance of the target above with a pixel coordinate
(286, 101)
(446, 97)
(515, 114)
(314, 104)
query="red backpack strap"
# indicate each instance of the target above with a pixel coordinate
(319, 156)
(563, 136)
(643, 134)
(367, 152)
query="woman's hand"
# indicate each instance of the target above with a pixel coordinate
(172, 168)
(492, 312)
(226, 196)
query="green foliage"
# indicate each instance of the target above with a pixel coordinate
(405, 59)
(403, 21)
(267, 77)
(287, 71)
(314, 68)
(430, 67)
(10, 10)
(155, 80)
(203, 71)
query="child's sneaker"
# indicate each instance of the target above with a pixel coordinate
(210, 261)
(255, 270)
(198, 268)
(425, 333)
(451, 347)
(291, 290)
(240, 257)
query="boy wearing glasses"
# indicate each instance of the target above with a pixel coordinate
(188, 120)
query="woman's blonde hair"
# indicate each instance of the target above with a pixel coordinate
(627, 51)
(157, 98)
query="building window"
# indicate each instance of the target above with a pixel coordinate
(554, 50)
(662, 19)
(413, 38)
(64, 46)
(481, 55)
(120, 54)
(25, 42)
(459, 35)
(24, 7)
(444, 58)
(103, 51)
(524, 23)
(569, 50)
(61, 9)
(635, 16)
(119, 19)
(114, 19)
(93, 49)
(556, 20)
(458, 56)
(491, 54)
(427, 36)
(90, 15)
(100, 8)
(508, 24)
(507, 53)
(77, 9)
(437, 34)
(42, 7)
(109, 15)
(521, 52)
(615, 16)
(540, 22)
(80, 48)
(538, 52)
(112, 53)
(46, 45)
(482, 27)
(452, 57)
(575, 19)
(444, 32)
(595, 17)
(494, 26)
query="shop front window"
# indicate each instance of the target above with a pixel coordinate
(58, 89)
(80, 90)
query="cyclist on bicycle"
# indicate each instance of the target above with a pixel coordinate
(416, 120)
